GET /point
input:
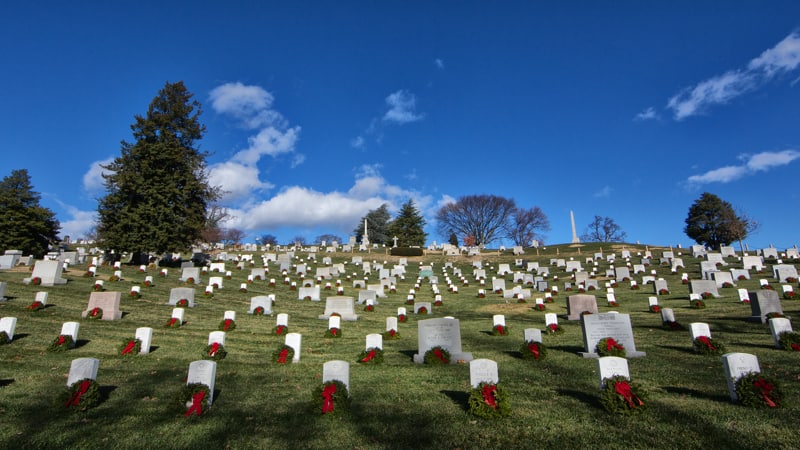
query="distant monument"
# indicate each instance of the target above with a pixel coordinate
(575, 239)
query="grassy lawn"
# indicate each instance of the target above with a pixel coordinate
(260, 404)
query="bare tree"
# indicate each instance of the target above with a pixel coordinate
(603, 229)
(480, 217)
(232, 236)
(526, 225)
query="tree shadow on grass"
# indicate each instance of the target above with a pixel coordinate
(588, 399)
(696, 394)
(459, 398)
(567, 348)
(105, 392)
(6, 382)
(679, 348)
(409, 353)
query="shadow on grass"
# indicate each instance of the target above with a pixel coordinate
(696, 394)
(80, 343)
(409, 353)
(588, 399)
(105, 392)
(574, 349)
(459, 398)
(17, 337)
(679, 348)
(6, 382)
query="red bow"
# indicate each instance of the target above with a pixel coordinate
(438, 353)
(707, 342)
(501, 329)
(334, 331)
(282, 356)
(279, 331)
(534, 348)
(796, 347)
(197, 404)
(489, 392)
(392, 332)
(327, 396)
(623, 388)
(60, 340)
(214, 349)
(553, 326)
(75, 399)
(172, 321)
(611, 344)
(765, 388)
(129, 347)
(226, 324)
(369, 356)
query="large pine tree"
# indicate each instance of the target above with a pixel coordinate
(377, 224)
(157, 189)
(25, 225)
(408, 226)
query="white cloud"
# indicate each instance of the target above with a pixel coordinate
(93, 178)
(251, 105)
(605, 192)
(357, 142)
(720, 89)
(79, 224)
(298, 159)
(759, 162)
(269, 141)
(648, 114)
(237, 180)
(439, 63)
(402, 108)
(783, 57)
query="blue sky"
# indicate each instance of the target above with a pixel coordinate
(317, 112)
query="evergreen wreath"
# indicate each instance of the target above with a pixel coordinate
(372, 355)
(533, 350)
(369, 308)
(402, 318)
(489, 401)
(173, 322)
(437, 355)
(95, 314)
(391, 334)
(227, 325)
(332, 397)
(81, 395)
(215, 352)
(259, 311)
(61, 343)
(620, 396)
(333, 333)
(283, 355)
(182, 303)
(790, 340)
(706, 295)
(610, 347)
(655, 308)
(672, 325)
(35, 306)
(756, 390)
(186, 398)
(135, 295)
(539, 307)
(707, 346)
(774, 315)
(697, 304)
(36, 281)
(280, 330)
(553, 329)
(130, 347)
(499, 330)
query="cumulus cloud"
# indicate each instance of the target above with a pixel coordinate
(251, 105)
(720, 89)
(237, 180)
(269, 141)
(648, 114)
(760, 162)
(93, 178)
(402, 108)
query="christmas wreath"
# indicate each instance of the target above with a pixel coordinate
(438, 303)
(280, 330)
(4, 338)
(790, 340)
(36, 281)
(549, 300)
(672, 325)
(402, 318)
(95, 314)
(620, 396)
(259, 311)
(655, 308)
(391, 334)
(332, 397)
(215, 351)
(553, 329)
(789, 295)
(610, 347)
(698, 304)
(437, 355)
(98, 287)
(190, 280)
(283, 354)
(521, 300)
(193, 397)
(499, 330)
(756, 390)
(333, 333)
(489, 401)
(35, 306)
(227, 325)
(130, 347)
(61, 343)
(422, 310)
(539, 307)
(173, 322)
(369, 308)
(774, 315)
(243, 290)
(372, 355)
(635, 287)
(182, 303)
(148, 283)
(613, 304)
(663, 292)
(707, 346)
(113, 278)
(533, 350)
(135, 295)
(81, 395)
(706, 295)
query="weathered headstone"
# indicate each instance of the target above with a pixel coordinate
(344, 306)
(49, 272)
(598, 326)
(108, 302)
(579, 303)
(445, 333)
(763, 302)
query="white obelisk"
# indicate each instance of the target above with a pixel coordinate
(575, 239)
(365, 238)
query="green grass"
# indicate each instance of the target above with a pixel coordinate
(258, 404)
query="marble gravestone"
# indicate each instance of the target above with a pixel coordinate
(108, 302)
(577, 304)
(482, 371)
(337, 371)
(145, 335)
(737, 365)
(263, 301)
(49, 272)
(763, 302)
(344, 306)
(181, 293)
(82, 368)
(445, 333)
(612, 366)
(598, 326)
(8, 324)
(777, 326)
(294, 340)
(203, 372)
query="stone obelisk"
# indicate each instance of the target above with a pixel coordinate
(575, 239)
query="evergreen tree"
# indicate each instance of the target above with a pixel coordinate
(408, 226)
(157, 189)
(26, 225)
(377, 224)
(713, 222)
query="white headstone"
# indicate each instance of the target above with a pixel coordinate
(145, 335)
(612, 366)
(203, 372)
(82, 368)
(336, 371)
(294, 340)
(737, 365)
(482, 371)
